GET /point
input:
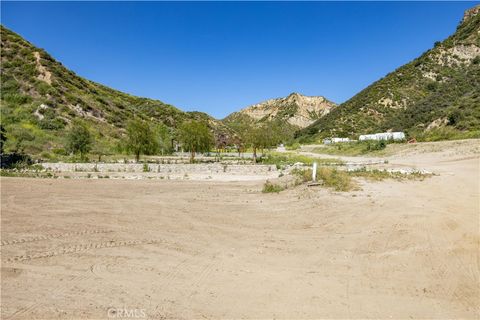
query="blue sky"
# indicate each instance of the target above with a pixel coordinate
(218, 57)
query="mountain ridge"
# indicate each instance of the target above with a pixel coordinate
(40, 98)
(303, 109)
(440, 86)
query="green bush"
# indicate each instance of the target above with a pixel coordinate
(379, 175)
(59, 151)
(282, 159)
(269, 187)
(376, 145)
(303, 175)
(336, 179)
(146, 168)
(293, 146)
(330, 177)
(16, 98)
(447, 133)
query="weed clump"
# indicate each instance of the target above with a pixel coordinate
(269, 187)
(336, 179)
(330, 177)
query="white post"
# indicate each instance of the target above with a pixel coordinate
(314, 172)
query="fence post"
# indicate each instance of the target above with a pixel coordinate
(314, 172)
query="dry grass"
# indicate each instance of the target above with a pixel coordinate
(269, 187)
(333, 178)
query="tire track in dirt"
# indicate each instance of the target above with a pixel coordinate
(52, 236)
(23, 311)
(456, 263)
(81, 248)
(440, 272)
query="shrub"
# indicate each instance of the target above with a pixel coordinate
(333, 178)
(303, 175)
(16, 98)
(330, 177)
(269, 187)
(14, 160)
(294, 146)
(379, 175)
(282, 159)
(51, 121)
(145, 167)
(446, 133)
(376, 145)
(432, 86)
(59, 151)
(46, 155)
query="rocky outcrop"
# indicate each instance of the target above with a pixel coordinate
(471, 13)
(296, 109)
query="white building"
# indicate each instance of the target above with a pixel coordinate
(338, 140)
(383, 136)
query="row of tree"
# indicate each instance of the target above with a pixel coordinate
(193, 136)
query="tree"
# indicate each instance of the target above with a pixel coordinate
(79, 139)
(164, 139)
(140, 139)
(101, 148)
(239, 144)
(257, 138)
(195, 137)
(221, 142)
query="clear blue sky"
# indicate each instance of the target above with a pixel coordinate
(219, 57)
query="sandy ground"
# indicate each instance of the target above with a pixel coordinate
(191, 249)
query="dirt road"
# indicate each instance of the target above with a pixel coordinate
(186, 249)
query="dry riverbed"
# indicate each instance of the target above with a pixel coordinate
(210, 249)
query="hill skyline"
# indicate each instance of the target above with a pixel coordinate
(323, 51)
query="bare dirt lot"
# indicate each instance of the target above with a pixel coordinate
(205, 249)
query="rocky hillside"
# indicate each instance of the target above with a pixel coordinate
(40, 97)
(292, 113)
(296, 109)
(441, 88)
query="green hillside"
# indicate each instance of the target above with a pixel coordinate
(40, 98)
(440, 90)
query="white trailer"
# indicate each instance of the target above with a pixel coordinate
(396, 136)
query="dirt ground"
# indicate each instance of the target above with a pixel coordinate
(161, 249)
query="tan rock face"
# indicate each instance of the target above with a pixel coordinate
(44, 74)
(471, 12)
(460, 54)
(297, 109)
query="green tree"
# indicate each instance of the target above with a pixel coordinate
(164, 139)
(140, 139)
(257, 138)
(100, 149)
(195, 137)
(79, 139)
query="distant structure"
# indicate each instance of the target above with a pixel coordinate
(281, 148)
(339, 140)
(383, 136)
(336, 140)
